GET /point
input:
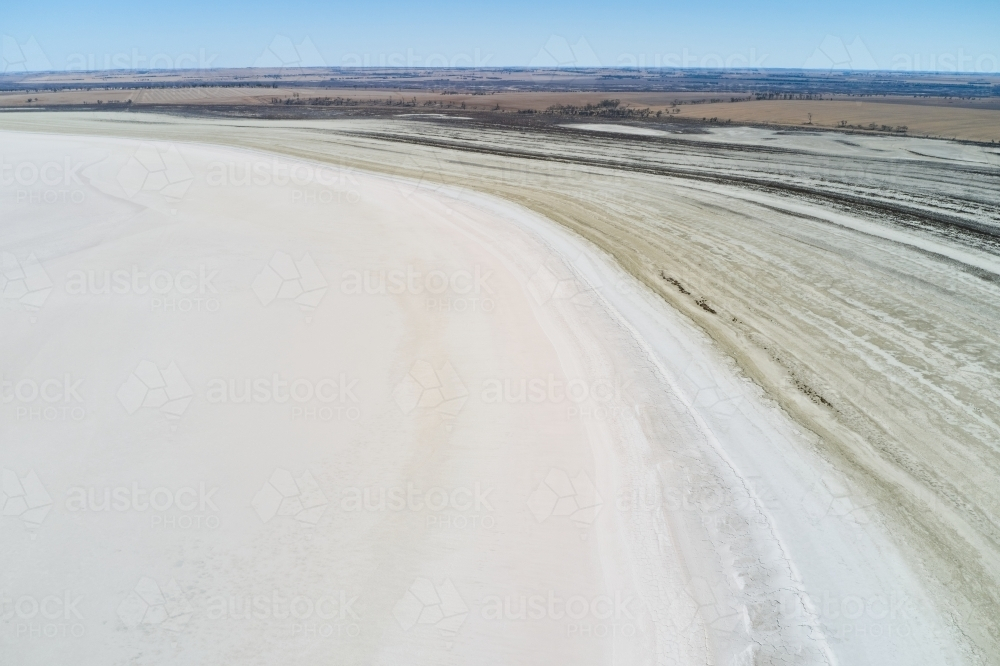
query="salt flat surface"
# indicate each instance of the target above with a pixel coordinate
(264, 410)
(444, 116)
(613, 128)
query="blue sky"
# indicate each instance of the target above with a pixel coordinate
(847, 34)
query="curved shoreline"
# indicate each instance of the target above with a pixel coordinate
(637, 258)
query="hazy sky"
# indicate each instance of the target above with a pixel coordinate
(846, 34)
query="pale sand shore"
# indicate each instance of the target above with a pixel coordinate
(613, 128)
(739, 536)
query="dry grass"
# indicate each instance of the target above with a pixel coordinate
(921, 119)
(970, 120)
